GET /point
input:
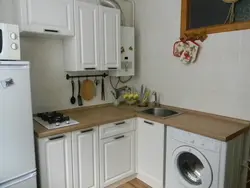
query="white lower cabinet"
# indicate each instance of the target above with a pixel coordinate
(117, 158)
(150, 152)
(85, 158)
(55, 161)
(69, 160)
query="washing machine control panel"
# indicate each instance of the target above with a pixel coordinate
(195, 139)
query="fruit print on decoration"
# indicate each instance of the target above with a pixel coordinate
(190, 53)
(187, 51)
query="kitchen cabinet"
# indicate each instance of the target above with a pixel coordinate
(110, 32)
(82, 51)
(117, 157)
(116, 128)
(85, 158)
(45, 17)
(55, 161)
(70, 159)
(96, 45)
(150, 152)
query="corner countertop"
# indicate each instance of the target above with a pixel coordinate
(213, 126)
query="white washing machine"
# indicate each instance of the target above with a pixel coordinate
(195, 161)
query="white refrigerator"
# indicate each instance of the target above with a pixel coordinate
(17, 152)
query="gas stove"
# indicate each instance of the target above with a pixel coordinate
(54, 120)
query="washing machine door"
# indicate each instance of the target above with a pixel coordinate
(191, 168)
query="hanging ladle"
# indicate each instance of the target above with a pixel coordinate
(73, 99)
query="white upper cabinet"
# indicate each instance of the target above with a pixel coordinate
(54, 17)
(150, 149)
(110, 32)
(85, 158)
(96, 45)
(87, 32)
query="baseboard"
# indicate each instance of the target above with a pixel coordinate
(152, 182)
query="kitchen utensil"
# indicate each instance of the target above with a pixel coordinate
(73, 99)
(96, 82)
(141, 93)
(103, 91)
(144, 93)
(87, 90)
(79, 97)
(146, 97)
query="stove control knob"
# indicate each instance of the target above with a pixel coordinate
(14, 46)
(57, 123)
(13, 36)
(67, 122)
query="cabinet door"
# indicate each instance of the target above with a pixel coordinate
(110, 38)
(85, 158)
(55, 161)
(87, 33)
(117, 158)
(150, 148)
(47, 16)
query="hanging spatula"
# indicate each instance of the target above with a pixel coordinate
(79, 97)
(103, 90)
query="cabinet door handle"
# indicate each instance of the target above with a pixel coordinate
(119, 137)
(90, 68)
(120, 123)
(1, 41)
(112, 68)
(147, 122)
(86, 131)
(56, 137)
(51, 31)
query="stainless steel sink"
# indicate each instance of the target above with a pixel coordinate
(160, 112)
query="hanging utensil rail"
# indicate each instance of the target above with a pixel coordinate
(87, 76)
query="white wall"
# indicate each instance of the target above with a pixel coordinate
(218, 83)
(50, 89)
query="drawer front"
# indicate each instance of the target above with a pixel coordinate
(116, 128)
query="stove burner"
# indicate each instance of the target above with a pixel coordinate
(54, 117)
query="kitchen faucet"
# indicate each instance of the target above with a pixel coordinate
(156, 102)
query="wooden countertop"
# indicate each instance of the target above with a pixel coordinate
(213, 126)
(87, 118)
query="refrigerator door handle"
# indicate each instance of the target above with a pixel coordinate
(18, 179)
(13, 67)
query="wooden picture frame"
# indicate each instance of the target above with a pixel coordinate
(185, 19)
